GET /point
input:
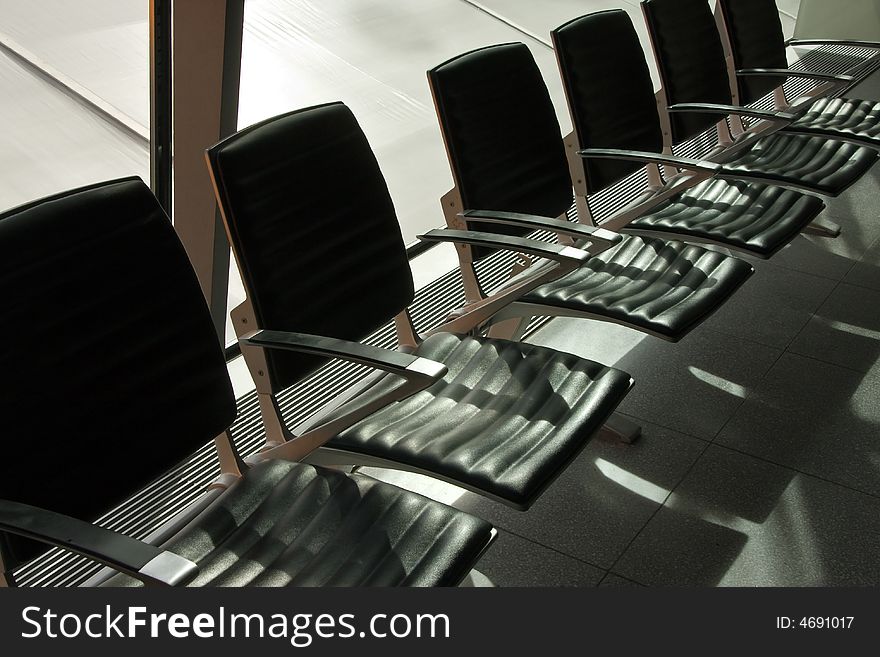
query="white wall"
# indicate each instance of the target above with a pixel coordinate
(788, 12)
(852, 19)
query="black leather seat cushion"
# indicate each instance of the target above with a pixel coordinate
(759, 219)
(289, 524)
(505, 419)
(664, 287)
(858, 118)
(826, 165)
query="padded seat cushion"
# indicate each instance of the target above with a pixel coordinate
(826, 165)
(752, 217)
(664, 287)
(505, 419)
(859, 118)
(289, 524)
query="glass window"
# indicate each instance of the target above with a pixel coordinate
(75, 101)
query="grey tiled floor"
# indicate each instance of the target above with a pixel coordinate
(759, 463)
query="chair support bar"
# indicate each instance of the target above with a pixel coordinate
(651, 158)
(538, 222)
(148, 563)
(417, 373)
(855, 43)
(557, 252)
(404, 365)
(736, 110)
(791, 73)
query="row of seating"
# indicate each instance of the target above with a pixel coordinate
(115, 373)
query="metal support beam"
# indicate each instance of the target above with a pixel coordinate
(207, 67)
(160, 102)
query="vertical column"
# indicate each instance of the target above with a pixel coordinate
(160, 102)
(207, 66)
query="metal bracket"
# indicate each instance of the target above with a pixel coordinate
(620, 430)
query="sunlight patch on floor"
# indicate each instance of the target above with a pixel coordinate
(718, 382)
(632, 482)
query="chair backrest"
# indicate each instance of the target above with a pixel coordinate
(754, 32)
(313, 229)
(502, 136)
(112, 370)
(690, 60)
(609, 91)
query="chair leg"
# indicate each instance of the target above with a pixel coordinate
(823, 228)
(618, 429)
(276, 432)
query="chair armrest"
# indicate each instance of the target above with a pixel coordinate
(856, 43)
(537, 222)
(417, 374)
(791, 73)
(715, 108)
(557, 252)
(148, 563)
(714, 169)
(412, 368)
(686, 163)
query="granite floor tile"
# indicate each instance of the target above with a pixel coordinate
(515, 561)
(693, 386)
(866, 272)
(814, 417)
(845, 330)
(806, 532)
(773, 306)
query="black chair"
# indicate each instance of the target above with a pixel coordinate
(113, 374)
(757, 48)
(511, 174)
(319, 249)
(614, 113)
(697, 97)
(509, 166)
